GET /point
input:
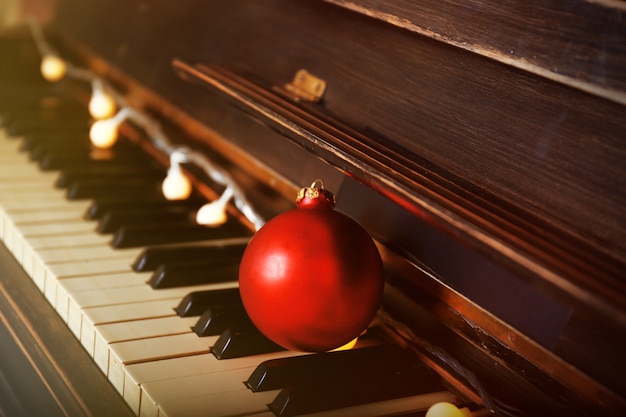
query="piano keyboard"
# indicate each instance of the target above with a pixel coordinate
(148, 352)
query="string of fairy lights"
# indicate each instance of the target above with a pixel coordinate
(110, 109)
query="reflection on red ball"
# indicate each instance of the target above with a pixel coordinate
(311, 279)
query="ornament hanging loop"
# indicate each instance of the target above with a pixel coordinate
(315, 196)
(318, 183)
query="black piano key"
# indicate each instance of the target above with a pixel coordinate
(37, 116)
(146, 235)
(100, 206)
(297, 400)
(75, 146)
(179, 274)
(31, 98)
(196, 302)
(243, 341)
(41, 106)
(36, 139)
(34, 125)
(136, 188)
(116, 219)
(82, 150)
(41, 151)
(71, 174)
(320, 368)
(53, 162)
(216, 320)
(152, 257)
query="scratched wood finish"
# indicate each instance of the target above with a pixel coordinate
(577, 42)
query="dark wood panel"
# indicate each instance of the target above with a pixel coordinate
(580, 42)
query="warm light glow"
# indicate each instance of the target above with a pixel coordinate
(348, 345)
(444, 409)
(103, 133)
(214, 213)
(176, 185)
(101, 105)
(211, 215)
(53, 68)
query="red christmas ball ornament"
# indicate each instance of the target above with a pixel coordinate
(311, 279)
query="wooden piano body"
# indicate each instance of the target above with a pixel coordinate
(482, 144)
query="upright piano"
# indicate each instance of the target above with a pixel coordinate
(481, 144)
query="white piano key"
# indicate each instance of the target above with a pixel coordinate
(26, 178)
(40, 243)
(167, 374)
(2, 215)
(182, 379)
(145, 350)
(37, 198)
(104, 252)
(8, 143)
(26, 182)
(48, 229)
(69, 286)
(87, 267)
(106, 334)
(80, 303)
(135, 294)
(232, 403)
(201, 384)
(12, 237)
(19, 167)
(54, 273)
(33, 247)
(101, 281)
(128, 312)
(92, 317)
(69, 213)
(33, 202)
(143, 329)
(18, 236)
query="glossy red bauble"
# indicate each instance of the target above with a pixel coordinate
(311, 279)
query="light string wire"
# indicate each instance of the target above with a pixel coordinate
(43, 47)
(154, 131)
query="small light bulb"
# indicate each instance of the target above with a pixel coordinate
(211, 215)
(53, 68)
(444, 409)
(214, 213)
(176, 185)
(103, 133)
(101, 105)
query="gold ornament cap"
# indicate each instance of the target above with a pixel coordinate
(315, 196)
